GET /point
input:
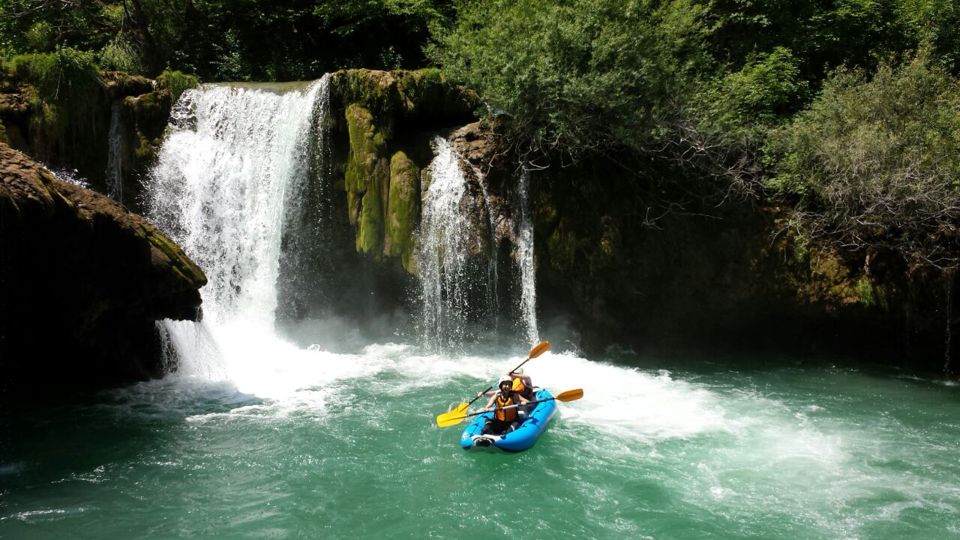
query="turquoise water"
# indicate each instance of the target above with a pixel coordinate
(339, 445)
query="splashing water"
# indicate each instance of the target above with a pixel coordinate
(234, 163)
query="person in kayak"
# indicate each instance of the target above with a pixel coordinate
(504, 419)
(522, 384)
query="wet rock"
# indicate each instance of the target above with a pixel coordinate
(403, 209)
(82, 281)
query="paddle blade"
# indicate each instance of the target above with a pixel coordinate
(570, 395)
(539, 349)
(453, 417)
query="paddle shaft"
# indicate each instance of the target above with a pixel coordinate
(507, 407)
(489, 388)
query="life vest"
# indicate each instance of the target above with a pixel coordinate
(521, 388)
(505, 415)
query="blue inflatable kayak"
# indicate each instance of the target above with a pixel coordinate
(523, 437)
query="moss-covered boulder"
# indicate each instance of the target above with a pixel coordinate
(366, 179)
(403, 209)
(388, 119)
(404, 100)
(82, 282)
(146, 117)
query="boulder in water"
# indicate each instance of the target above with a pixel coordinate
(82, 281)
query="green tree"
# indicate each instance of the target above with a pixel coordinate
(578, 76)
(875, 161)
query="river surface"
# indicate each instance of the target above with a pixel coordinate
(318, 445)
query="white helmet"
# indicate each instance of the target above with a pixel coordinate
(504, 379)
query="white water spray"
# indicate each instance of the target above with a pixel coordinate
(226, 172)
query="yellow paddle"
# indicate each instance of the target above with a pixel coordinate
(460, 409)
(569, 395)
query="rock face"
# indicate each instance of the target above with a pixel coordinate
(112, 138)
(389, 118)
(82, 281)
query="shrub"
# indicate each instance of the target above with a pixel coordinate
(875, 162)
(66, 76)
(577, 76)
(120, 55)
(176, 82)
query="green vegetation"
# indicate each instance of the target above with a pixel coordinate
(875, 161)
(176, 83)
(66, 76)
(227, 39)
(578, 76)
(67, 102)
(823, 106)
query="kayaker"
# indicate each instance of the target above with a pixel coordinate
(503, 419)
(522, 384)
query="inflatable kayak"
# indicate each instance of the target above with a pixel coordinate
(521, 438)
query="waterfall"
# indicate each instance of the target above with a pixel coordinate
(235, 159)
(455, 282)
(524, 239)
(457, 257)
(114, 172)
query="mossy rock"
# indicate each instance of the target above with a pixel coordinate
(427, 95)
(403, 209)
(403, 99)
(372, 90)
(366, 179)
(119, 84)
(150, 112)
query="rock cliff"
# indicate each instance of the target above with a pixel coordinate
(82, 281)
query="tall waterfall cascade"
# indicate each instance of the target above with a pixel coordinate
(525, 261)
(234, 160)
(114, 171)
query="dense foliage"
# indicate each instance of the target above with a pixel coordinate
(876, 162)
(579, 76)
(226, 39)
(798, 99)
